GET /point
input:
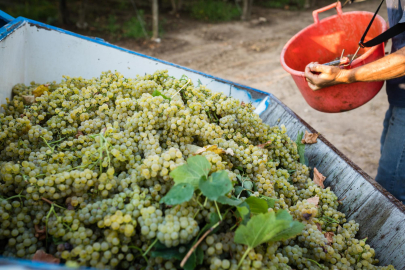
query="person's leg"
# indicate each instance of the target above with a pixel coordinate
(391, 169)
(385, 126)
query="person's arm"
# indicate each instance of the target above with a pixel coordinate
(389, 67)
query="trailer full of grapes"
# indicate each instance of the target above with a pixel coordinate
(33, 51)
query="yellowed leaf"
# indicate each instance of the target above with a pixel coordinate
(215, 149)
(40, 233)
(319, 226)
(329, 237)
(314, 200)
(40, 90)
(319, 178)
(28, 100)
(42, 256)
(78, 134)
(310, 138)
(264, 144)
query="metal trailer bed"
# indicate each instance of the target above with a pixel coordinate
(33, 51)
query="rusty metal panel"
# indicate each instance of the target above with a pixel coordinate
(380, 215)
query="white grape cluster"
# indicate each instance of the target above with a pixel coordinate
(84, 164)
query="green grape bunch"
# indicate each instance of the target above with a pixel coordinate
(154, 172)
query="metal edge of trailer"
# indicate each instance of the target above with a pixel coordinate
(11, 26)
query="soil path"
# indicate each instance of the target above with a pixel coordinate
(249, 52)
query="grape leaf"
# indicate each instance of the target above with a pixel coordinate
(267, 227)
(257, 205)
(200, 255)
(229, 201)
(215, 149)
(310, 138)
(158, 93)
(191, 262)
(218, 184)
(238, 190)
(243, 212)
(301, 148)
(196, 167)
(248, 185)
(313, 200)
(42, 256)
(178, 194)
(287, 226)
(173, 253)
(270, 201)
(214, 219)
(166, 253)
(319, 178)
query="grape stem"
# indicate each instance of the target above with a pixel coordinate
(150, 247)
(189, 80)
(183, 262)
(205, 202)
(57, 141)
(244, 256)
(16, 196)
(319, 265)
(196, 213)
(52, 203)
(142, 254)
(219, 213)
(52, 148)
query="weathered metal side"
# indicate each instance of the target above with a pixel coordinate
(380, 215)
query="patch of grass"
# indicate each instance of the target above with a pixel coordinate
(133, 29)
(293, 4)
(214, 10)
(39, 10)
(112, 26)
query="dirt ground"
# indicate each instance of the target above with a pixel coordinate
(249, 52)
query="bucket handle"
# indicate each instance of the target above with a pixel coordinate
(336, 5)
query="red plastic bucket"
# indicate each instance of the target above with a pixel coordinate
(322, 42)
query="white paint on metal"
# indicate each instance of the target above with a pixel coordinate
(42, 55)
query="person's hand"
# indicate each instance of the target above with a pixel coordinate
(321, 76)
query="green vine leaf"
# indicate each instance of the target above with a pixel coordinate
(287, 227)
(257, 205)
(158, 93)
(267, 227)
(229, 201)
(173, 253)
(270, 201)
(238, 190)
(243, 212)
(301, 148)
(214, 219)
(178, 194)
(217, 184)
(191, 172)
(191, 262)
(166, 253)
(248, 185)
(200, 255)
